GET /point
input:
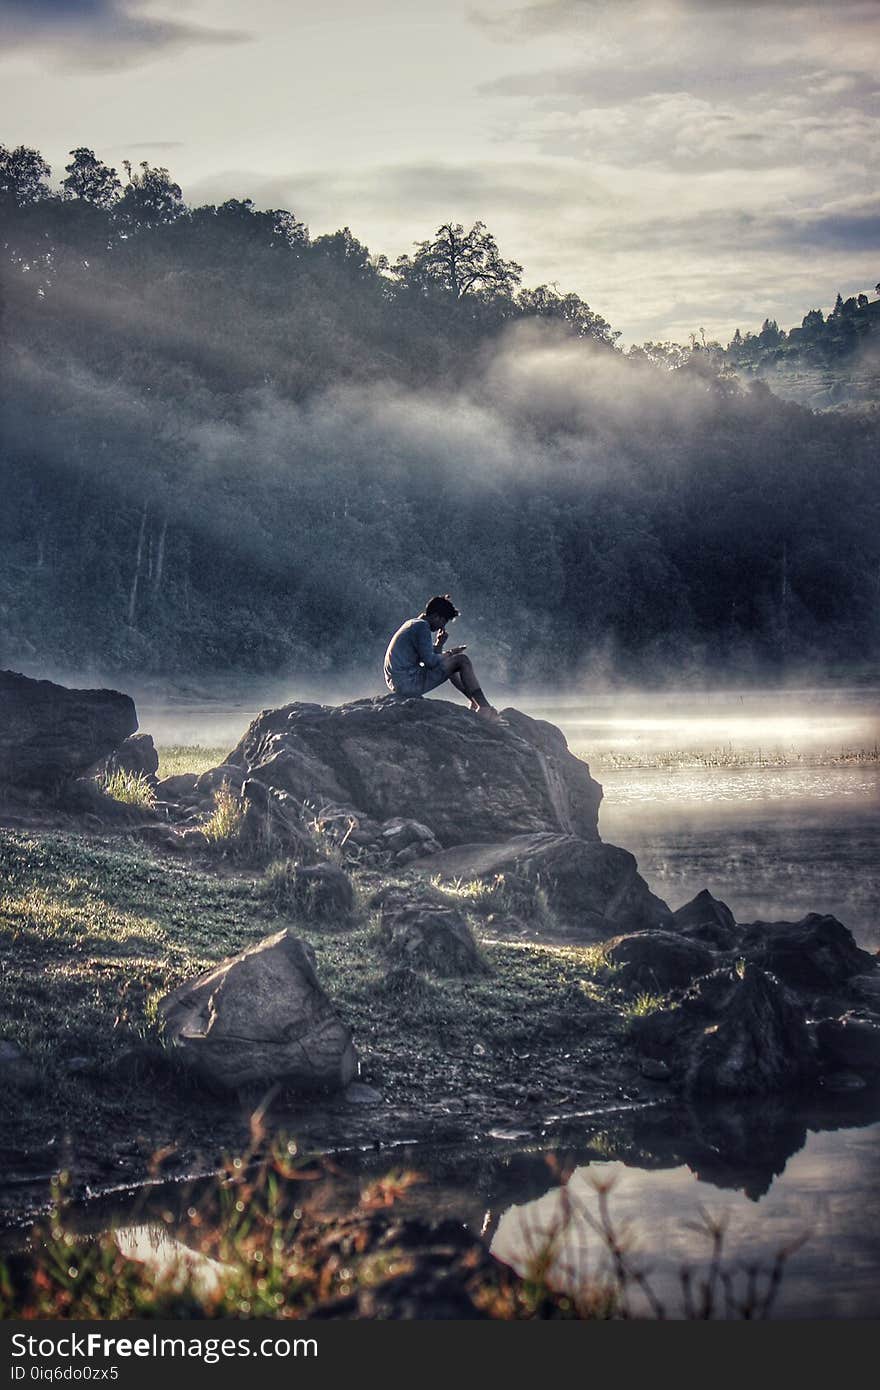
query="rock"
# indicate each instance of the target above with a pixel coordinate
(817, 953)
(180, 787)
(426, 935)
(850, 1042)
(356, 1093)
(866, 988)
(706, 919)
(269, 830)
(160, 837)
(657, 961)
(654, 1070)
(194, 840)
(407, 840)
(50, 734)
(258, 1018)
(225, 775)
(398, 758)
(79, 1066)
(322, 891)
(136, 755)
(843, 1081)
(657, 1035)
(397, 834)
(589, 884)
(760, 1043)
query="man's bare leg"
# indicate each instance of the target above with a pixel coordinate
(461, 674)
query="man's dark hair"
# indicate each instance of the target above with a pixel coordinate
(442, 606)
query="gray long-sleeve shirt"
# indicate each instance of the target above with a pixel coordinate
(411, 646)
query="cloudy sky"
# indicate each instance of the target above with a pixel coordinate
(679, 163)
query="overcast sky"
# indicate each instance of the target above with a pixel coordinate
(678, 163)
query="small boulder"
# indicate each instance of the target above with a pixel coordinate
(137, 756)
(180, 787)
(426, 935)
(226, 775)
(321, 891)
(258, 1018)
(657, 961)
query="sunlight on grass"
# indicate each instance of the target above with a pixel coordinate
(222, 827)
(184, 757)
(130, 787)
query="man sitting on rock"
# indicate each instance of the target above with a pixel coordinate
(415, 661)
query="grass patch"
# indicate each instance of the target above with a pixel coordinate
(728, 757)
(130, 787)
(223, 826)
(504, 895)
(643, 1004)
(187, 757)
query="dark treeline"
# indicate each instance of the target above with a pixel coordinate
(228, 446)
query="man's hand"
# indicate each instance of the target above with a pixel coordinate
(453, 651)
(441, 639)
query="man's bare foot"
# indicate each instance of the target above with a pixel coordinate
(487, 711)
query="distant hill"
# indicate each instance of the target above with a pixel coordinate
(828, 363)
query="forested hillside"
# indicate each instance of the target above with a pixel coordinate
(228, 446)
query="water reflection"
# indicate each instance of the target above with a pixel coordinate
(825, 1210)
(772, 1172)
(170, 1259)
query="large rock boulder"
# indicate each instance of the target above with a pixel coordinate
(817, 953)
(427, 761)
(258, 1018)
(730, 1036)
(50, 734)
(589, 885)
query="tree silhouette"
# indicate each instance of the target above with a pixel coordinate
(24, 175)
(151, 197)
(461, 262)
(90, 179)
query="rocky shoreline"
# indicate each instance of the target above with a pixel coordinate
(406, 859)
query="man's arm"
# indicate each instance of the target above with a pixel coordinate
(427, 654)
